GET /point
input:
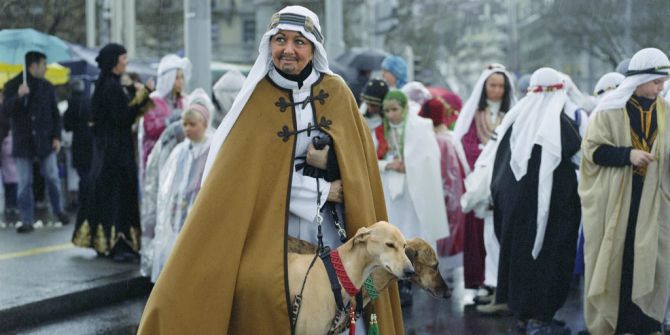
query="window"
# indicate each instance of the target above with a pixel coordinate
(249, 30)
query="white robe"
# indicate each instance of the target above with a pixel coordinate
(415, 199)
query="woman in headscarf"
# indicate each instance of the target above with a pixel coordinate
(624, 187)
(394, 71)
(452, 163)
(227, 272)
(409, 162)
(224, 92)
(491, 98)
(113, 225)
(180, 177)
(536, 222)
(168, 98)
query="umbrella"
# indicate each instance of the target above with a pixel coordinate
(56, 73)
(15, 43)
(363, 59)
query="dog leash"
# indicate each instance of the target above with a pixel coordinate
(321, 250)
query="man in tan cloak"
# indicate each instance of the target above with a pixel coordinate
(625, 193)
(227, 273)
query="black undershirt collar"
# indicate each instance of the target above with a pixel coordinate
(644, 102)
(300, 77)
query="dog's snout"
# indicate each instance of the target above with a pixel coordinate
(408, 272)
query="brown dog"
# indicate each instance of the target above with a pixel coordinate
(423, 258)
(381, 245)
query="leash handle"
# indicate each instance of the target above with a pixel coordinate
(318, 219)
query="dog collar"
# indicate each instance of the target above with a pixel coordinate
(371, 289)
(342, 275)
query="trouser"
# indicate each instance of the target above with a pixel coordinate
(48, 170)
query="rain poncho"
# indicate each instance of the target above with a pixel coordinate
(179, 183)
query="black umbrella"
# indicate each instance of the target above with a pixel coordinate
(363, 59)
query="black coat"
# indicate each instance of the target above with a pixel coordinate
(78, 120)
(35, 120)
(112, 122)
(536, 288)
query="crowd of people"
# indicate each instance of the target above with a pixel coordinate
(533, 185)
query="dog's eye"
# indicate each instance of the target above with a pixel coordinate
(390, 245)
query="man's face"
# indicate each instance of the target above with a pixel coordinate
(373, 108)
(39, 69)
(291, 51)
(652, 89)
(121, 65)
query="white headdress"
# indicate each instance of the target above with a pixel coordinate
(608, 82)
(471, 106)
(294, 18)
(646, 65)
(167, 73)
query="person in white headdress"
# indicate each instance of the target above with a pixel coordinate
(168, 100)
(535, 219)
(225, 91)
(607, 83)
(180, 177)
(491, 98)
(290, 145)
(624, 187)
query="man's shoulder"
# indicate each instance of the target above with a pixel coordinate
(13, 83)
(333, 80)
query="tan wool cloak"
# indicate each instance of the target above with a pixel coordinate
(606, 198)
(227, 272)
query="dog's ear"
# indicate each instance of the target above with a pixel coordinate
(362, 235)
(411, 254)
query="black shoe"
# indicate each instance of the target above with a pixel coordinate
(63, 218)
(26, 228)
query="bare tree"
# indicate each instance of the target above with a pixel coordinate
(53, 17)
(599, 27)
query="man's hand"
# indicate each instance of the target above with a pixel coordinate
(317, 158)
(55, 144)
(23, 90)
(336, 193)
(640, 158)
